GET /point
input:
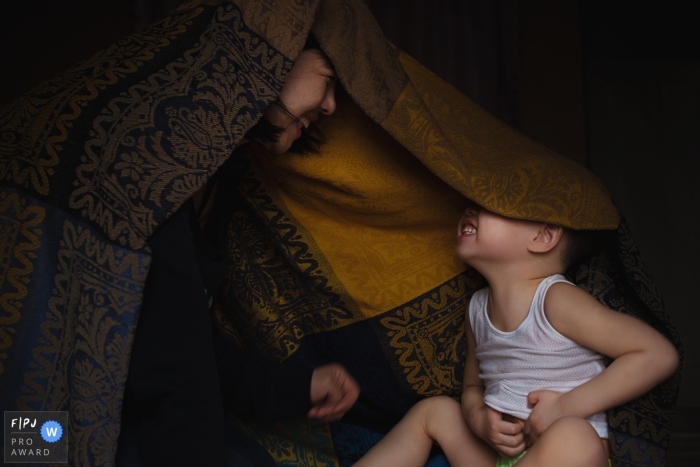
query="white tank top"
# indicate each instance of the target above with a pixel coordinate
(534, 356)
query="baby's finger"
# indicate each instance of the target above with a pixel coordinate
(510, 451)
(505, 444)
(510, 441)
(509, 428)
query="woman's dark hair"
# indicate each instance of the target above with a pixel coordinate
(311, 138)
(309, 142)
(264, 131)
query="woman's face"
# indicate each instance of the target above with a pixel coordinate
(308, 92)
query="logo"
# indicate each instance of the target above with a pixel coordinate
(36, 437)
(51, 431)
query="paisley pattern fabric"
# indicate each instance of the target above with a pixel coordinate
(344, 256)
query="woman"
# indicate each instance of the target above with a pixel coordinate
(173, 387)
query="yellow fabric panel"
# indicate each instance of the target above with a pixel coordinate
(491, 163)
(386, 225)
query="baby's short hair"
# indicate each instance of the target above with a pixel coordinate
(577, 243)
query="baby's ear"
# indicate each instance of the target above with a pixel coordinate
(546, 238)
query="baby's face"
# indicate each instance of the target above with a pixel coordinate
(483, 235)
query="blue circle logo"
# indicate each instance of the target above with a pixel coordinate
(51, 431)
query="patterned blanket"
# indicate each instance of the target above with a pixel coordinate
(344, 256)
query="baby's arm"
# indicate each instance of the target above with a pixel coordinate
(485, 422)
(642, 358)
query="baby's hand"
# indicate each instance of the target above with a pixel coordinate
(545, 411)
(505, 437)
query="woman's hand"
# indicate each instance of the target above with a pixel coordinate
(333, 392)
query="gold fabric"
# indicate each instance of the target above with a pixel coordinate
(384, 224)
(491, 163)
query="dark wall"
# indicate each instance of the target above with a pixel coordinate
(40, 39)
(469, 44)
(642, 74)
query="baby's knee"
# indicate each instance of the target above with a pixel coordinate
(437, 405)
(436, 411)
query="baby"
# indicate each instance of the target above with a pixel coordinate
(535, 384)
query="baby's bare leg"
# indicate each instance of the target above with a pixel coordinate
(569, 442)
(437, 419)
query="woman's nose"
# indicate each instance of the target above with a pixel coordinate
(328, 103)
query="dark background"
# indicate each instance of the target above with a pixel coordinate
(612, 84)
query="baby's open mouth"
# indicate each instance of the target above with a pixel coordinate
(468, 229)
